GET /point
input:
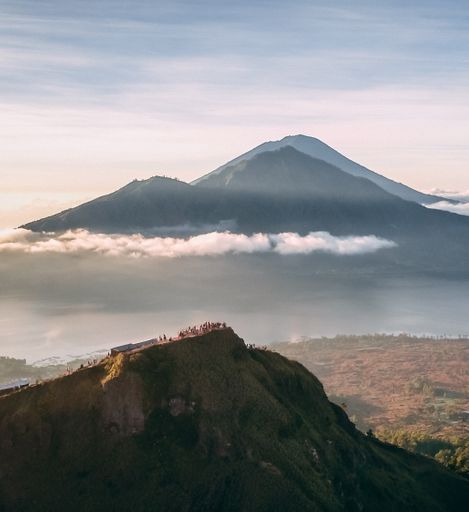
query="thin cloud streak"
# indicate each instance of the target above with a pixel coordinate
(460, 208)
(209, 244)
(457, 195)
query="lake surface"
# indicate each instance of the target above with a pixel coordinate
(63, 305)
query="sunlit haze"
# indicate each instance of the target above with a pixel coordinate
(94, 94)
(234, 243)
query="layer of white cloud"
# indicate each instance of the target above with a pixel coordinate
(457, 195)
(209, 244)
(321, 241)
(459, 208)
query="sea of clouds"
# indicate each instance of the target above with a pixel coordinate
(209, 244)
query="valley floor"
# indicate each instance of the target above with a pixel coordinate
(408, 390)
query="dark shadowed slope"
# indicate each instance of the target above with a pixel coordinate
(157, 202)
(282, 190)
(317, 149)
(203, 424)
(289, 172)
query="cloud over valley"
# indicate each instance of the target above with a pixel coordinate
(447, 206)
(208, 244)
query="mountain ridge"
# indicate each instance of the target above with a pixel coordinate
(203, 423)
(306, 194)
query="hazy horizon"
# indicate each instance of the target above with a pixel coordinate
(65, 304)
(188, 188)
(95, 95)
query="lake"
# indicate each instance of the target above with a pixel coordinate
(67, 305)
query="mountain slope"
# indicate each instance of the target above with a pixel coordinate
(282, 190)
(278, 191)
(202, 424)
(287, 172)
(317, 149)
(275, 191)
(157, 202)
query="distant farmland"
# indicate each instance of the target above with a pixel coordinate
(393, 382)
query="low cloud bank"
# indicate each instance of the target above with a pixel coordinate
(209, 244)
(321, 241)
(459, 208)
(456, 195)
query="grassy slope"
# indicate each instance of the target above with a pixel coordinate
(202, 424)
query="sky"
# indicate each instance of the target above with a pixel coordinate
(96, 93)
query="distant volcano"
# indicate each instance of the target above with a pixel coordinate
(276, 188)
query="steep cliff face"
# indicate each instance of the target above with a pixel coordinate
(202, 424)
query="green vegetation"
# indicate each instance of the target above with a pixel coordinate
(453, 452)
(203, 424)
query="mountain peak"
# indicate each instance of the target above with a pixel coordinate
(154, 195)
(299, 136)
(157, 179)
(315, 148)
(285, 171)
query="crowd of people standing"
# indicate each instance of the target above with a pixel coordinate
(198, 330)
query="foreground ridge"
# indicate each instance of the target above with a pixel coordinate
(203, 422)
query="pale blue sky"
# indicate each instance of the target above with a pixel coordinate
(95, 93)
